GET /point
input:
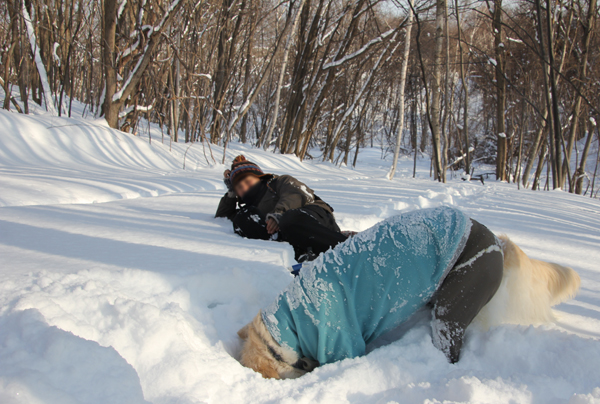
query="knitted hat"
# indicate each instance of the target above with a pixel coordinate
(241, 168)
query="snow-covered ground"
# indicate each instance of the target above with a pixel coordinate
(119, 285)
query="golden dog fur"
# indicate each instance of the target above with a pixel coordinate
(528, 291)
(256, 354)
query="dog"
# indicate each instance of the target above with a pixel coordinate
(528, 289)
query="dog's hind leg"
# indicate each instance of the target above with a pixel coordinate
(469, 285)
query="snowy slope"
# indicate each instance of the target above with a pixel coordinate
(138, 298)
(69, 160)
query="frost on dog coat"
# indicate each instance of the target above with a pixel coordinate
(367, 285)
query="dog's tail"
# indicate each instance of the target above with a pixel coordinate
(529, 289)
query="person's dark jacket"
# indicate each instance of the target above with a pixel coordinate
(272, 196)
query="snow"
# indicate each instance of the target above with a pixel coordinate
(130, 49)
(479, 255)
(204, 75)
(119, 285)
(54, 54)
(368, 45)
(122, 4)
(32, 349)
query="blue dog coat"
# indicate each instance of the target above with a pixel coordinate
(367, 285)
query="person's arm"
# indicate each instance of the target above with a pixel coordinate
(292, 194)
(227, 207)
(228, 204)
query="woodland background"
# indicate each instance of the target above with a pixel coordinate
(512, 84)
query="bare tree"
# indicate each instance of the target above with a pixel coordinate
(499, 65)
(436, 90)
(403, 70)
(115, 97)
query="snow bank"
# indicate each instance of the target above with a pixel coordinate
(73, 161)
(68, 160)
(43, 364)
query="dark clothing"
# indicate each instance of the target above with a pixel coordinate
(305, 220)
(249, 223)
(273, 195)
(310, 228)
(468, 287)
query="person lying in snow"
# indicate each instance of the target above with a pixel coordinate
(277, 207)
(376, 280)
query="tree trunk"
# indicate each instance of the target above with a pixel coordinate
(14, 11)
(113, 99)
(286, 52)
(37, 58)
(221, 71)
(521, 135)
(465, 87)
(588, 28)
(534, 149)
(540, 167)
(296, 110)
(448, 100)
(247, 75)
(550, 88)
(424, 125)
(6, 84)
(109, 29)
(436, 89)
(403, 70)
(580, 173)
(175, 94)
(500, 94)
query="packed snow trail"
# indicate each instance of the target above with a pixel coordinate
(139, 300)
